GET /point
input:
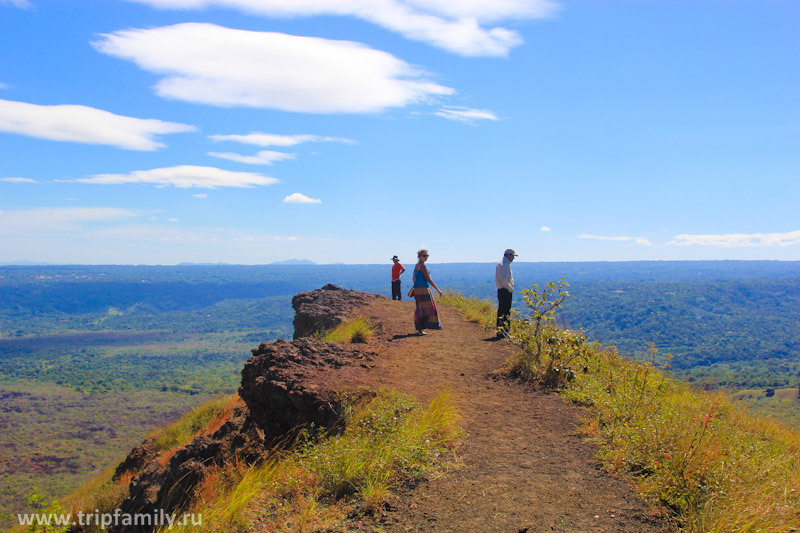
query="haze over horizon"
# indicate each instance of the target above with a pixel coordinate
(257, 131)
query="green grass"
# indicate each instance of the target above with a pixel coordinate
(482, 312)
(200, 418)
(784, 406)
(387, 440)
(358, 330)
(714, 466)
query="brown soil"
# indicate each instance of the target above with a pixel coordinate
(523, 464)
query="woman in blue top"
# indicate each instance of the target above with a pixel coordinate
(426, 315)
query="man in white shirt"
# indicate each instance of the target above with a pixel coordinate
(504, 280)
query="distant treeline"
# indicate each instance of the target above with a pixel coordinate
(729, 322)
(82, 288)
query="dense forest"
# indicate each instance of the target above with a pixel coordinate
(727, 322)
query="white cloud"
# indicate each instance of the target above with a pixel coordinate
(172, 220)
(642, 241)
(544, 228)
(22, 4)
(266, 157)
(200, 195)
(18, 180)
(77, 123)
(457, 26)
(184, 177)
(738, 240)
(57, 219)
(4, 86)
(210, 64)
(297, 198)
(465, 114)
(271, 139)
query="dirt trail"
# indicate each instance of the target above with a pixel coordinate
(524, 468)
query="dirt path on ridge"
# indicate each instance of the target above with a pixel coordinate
(524, 466)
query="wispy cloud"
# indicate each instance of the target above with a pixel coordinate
(4, 86)
(184, 177)
(266, 157)
(297, 198)
(271, 139)
(77, 123)
(544, 228)
(22, 4)
(57, 219)
(200, 195)
(18, 180)
(465, 114)
(210, 64)
(641, 241)
(458, 26)
(738, 240)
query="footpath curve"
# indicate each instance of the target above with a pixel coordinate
(524, 467)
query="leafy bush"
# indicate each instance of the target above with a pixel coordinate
(546, 353)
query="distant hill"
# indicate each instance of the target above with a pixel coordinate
(202, 264)
(294, 262)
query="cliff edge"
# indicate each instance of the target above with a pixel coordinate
(286, 386)
(523, 464)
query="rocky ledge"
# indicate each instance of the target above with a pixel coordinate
(326, 308)
(285, 386)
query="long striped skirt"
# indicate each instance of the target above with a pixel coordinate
(426, 316)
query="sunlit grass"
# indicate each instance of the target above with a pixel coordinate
(482, 312)
(387, 439)
(711, 464)
(206, 418)
(358, 330)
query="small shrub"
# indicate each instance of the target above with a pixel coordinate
(547, 354)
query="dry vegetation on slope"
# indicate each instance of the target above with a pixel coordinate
(714, 465)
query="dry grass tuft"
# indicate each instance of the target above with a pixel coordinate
(359, 330)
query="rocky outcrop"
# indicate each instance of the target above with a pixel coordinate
(326, 308)
(285, 386)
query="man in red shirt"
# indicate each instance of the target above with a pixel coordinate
(397, 269)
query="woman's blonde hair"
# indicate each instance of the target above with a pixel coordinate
(423, 251)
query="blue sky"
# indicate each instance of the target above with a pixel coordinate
(252, 131)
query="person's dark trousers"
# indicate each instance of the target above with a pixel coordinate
(503, 310)
(396, 290)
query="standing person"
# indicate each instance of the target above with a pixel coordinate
(397, 270)
(504, 280)
(426, 316)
